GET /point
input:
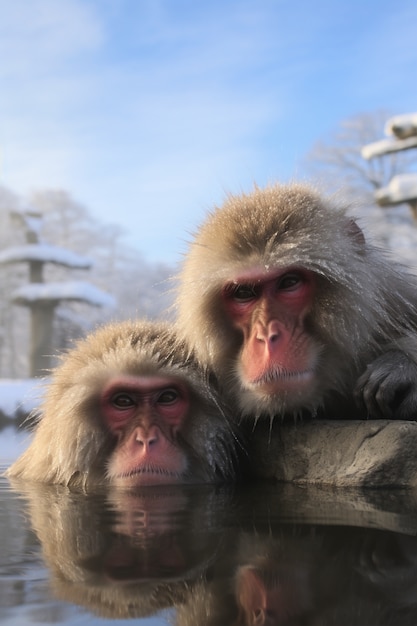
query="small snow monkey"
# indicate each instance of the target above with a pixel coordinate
(129, 406)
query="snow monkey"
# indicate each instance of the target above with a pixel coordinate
(129, 406)
(296, 312)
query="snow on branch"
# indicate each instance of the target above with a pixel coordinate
(53, 293)
(401, 188)
(46, 254)
(386, 146)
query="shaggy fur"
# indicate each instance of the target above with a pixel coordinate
(364, 307)
(71, 444)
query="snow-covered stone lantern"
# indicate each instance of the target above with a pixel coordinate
(43, 298)
(401, 189)
(401, 132)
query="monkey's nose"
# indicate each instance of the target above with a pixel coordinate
(270, 333)
(147, 437)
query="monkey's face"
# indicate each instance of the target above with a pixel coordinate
(145, 415)
(130, 406)
(277, 363)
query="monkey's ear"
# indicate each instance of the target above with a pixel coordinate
(355, 232)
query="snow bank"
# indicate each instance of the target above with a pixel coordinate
(19, 396)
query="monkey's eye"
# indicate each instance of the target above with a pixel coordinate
(122, 401)
(244, 293)
(168, 396)
(288, 282)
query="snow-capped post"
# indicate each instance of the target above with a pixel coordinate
(401, 188)
(402, 135)
(43, 298)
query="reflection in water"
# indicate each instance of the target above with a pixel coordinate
(259, 555)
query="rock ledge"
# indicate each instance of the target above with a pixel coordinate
(348, 453)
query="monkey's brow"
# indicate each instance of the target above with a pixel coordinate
(232, 287)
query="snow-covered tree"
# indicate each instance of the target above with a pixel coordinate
(141, 288)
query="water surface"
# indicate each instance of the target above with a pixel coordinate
(254, 554)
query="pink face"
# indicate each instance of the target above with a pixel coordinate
(269, 309)
(145, 414)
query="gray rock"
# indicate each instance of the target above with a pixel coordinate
(378, 453)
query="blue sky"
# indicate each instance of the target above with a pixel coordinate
(149, 111)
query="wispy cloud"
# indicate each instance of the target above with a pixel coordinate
(138, 122)
(52, 32)
(147, 110)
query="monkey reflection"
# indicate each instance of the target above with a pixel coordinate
(311, 576)
(273, 593)
(127, 553)
(131, 553)
(296, 312)
(130, 407)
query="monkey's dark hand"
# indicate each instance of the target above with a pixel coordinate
(388, 387)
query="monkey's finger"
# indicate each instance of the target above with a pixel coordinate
(373, 397)
(405, 408)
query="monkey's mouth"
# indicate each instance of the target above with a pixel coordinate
(277, 380)
(147, 475)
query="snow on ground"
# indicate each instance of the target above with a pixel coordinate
(19, 396)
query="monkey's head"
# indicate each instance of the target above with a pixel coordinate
(278, 295)
(129, 407)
